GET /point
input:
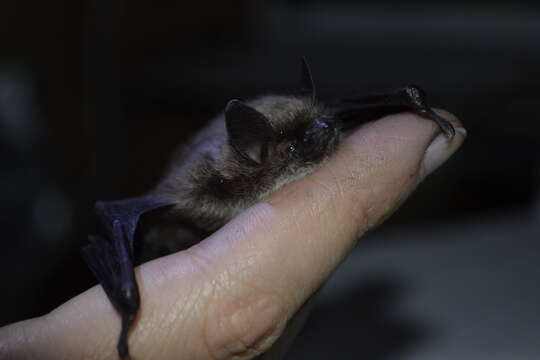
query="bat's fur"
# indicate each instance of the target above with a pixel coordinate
(210, 182)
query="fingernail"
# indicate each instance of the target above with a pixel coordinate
(440, 149)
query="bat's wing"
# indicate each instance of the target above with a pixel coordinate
(111, 258)
(373, 106)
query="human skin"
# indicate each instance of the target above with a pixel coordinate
(232, 295)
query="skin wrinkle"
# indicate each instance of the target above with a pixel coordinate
(257, 260)
(243, 266)
(198, 306)
(253, 266)
(26, 334)
(247, 286)
(251, 348)
(252, 252)
(327, 200)
(298, 226)
(243, 332)
(210, 297)
(17, 339)
(315, 208)
(63, 326)
(238, 228)
(206, 315)
(107, 344)
(355, 178)
(214, 319)
(170, 322)
(319, 208)
(201, 261)
(145, 329)
(166, 322)
(358, 205)
(160, 275)
(103, 342)
(184, 307)
(96, 353)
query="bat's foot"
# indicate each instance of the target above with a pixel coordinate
(123, 347)
(123, 350)
(415, 97)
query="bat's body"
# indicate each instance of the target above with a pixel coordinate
(241, 157)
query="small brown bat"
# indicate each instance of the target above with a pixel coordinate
(242, 156)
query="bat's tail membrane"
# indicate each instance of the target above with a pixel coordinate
(111, 258)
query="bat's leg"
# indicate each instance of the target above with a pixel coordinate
(373, 106)
(111, 257)
(110, 261)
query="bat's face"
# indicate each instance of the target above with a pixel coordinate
(309, 142)
(281, 131)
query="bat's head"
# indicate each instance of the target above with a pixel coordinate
(278, 131)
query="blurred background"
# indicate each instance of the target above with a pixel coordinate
(95, 94)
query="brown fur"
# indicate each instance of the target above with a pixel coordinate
(211, 183)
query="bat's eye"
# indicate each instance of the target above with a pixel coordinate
(288, 148)
(291, 148)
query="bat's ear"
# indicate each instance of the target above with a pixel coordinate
(249, 131)
(306, 85)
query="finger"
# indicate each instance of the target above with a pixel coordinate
(306, 228)
(274, 255)
(232, 294)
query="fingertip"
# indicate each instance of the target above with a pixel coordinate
(440, 150)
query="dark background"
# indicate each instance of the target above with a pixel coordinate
(95, 94)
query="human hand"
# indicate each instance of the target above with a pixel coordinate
(232, 295)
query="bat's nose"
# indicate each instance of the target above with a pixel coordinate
(321, 124)
(326, 124)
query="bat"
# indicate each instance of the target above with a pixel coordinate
(246, 153)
